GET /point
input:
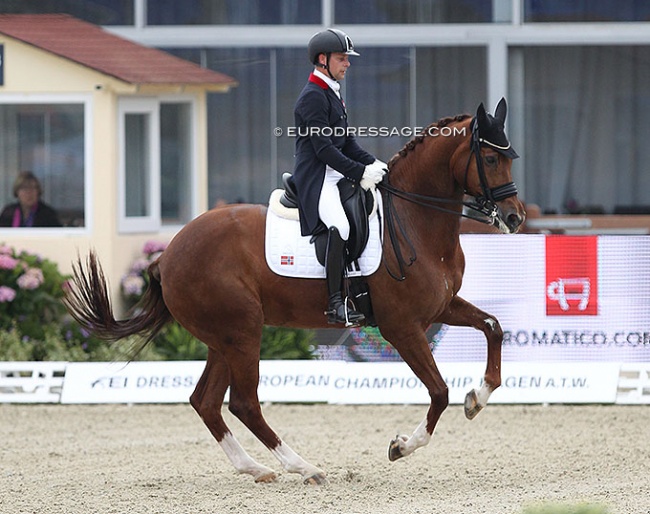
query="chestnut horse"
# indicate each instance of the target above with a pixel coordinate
(213, 279)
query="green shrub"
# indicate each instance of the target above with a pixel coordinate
(34, 324)
(65, 342)
(175, 343)
(284, 343)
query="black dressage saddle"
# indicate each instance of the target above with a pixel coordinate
(357, 204)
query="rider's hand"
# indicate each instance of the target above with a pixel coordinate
(373, 174)
(382, 163)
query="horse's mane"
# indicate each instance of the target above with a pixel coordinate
(443, 122)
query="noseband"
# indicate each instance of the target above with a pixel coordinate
(484, 204)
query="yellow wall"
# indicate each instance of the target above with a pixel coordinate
(29, 70)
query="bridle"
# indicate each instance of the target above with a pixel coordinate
(485, 204)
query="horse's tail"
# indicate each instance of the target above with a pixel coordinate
(87, 300)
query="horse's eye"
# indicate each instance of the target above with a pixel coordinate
(491, 160)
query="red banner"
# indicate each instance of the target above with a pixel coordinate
(572, 276)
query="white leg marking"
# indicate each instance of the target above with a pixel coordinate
(491, 323)
(476, 400)
(419, 438)
(483, 394)
(243, 462)
(294, 463)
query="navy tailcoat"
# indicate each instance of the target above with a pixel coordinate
(322, 139)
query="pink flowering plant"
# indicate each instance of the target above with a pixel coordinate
(136, 280)
(30, 292)
(34, 324)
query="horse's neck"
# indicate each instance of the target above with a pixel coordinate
(427, 171)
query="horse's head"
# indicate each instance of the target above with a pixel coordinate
(484, 169)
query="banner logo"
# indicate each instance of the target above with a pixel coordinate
(572, 276)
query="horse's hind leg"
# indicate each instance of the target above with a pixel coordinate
(244, 403)
(207, 400)
(462, 313)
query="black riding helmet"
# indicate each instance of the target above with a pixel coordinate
(329, 41)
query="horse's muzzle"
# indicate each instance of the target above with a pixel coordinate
(510, 216)
(514, 221)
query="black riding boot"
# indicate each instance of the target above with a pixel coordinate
(334, 263)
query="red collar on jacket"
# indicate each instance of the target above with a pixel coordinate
(321, 83)
(318, 81)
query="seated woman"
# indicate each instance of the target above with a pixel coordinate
(29, 210)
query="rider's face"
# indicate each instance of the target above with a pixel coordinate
(339, 64)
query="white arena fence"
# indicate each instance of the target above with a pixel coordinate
(337, 382)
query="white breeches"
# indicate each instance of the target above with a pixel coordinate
(330, 209)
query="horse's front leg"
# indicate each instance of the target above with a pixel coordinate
(414, 349)
(462, 313)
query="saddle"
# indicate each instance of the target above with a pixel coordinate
(357, 204)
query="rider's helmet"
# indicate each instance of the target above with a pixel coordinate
(329, 41)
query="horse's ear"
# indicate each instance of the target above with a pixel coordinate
(501, 111)
(481, 117)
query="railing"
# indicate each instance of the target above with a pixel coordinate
(31, 382)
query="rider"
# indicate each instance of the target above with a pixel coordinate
(325, 154)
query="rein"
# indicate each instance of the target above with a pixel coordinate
(484, 204)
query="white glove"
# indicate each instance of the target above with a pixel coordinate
(373, 174)
(384, 165)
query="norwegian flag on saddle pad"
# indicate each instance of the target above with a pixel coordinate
(286, 260)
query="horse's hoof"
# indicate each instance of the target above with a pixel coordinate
(472, 406)
(266, 478)
(316, 479)
(394, 450)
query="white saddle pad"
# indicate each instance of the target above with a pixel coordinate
(291, 255)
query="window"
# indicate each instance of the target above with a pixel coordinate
(239, 133)
(47, 139)
(155, 164)
(100, 12)
(138, 164)
(449, 81)
(377, 90)
(233, 12)
(586, 10)
(413, 11)
(583, 131)
(175, 163)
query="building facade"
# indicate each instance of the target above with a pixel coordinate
(574, 73)
(115, 133)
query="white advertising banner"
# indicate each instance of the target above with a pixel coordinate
(174, 381)
(343, 382)
(134, 382)
(558, 298)
(522, 382)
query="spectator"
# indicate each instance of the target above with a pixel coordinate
(29, 210)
